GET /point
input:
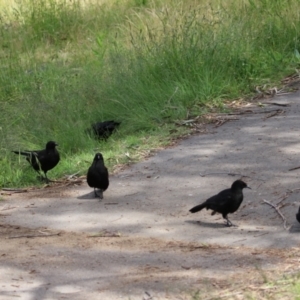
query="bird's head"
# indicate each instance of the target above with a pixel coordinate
(240, 184)
(98, 156)
(51, 145)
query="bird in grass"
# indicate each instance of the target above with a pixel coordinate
(227, 201)
(97, 175)
(42, 160)
(298, 215)
(103, 130)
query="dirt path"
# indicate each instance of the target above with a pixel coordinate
(141, 242)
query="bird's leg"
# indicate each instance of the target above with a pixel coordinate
(46, 178)
(40, 177)
(39, 164)
(229, 224)
(100, 195)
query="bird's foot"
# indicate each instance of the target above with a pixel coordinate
(42, 178)
(228, 223)
(99, 194)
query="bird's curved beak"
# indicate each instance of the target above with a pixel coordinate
(248, 187)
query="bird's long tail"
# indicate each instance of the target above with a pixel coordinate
(22, 153)
(198, 207)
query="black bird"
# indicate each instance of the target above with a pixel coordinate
(298, 215)
(227, 201)
(97, 176)
(103, 130)
(44, 160)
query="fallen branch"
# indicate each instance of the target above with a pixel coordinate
(283, 198)
(288, 193)
(33, 235)
(277, 103)
(278, 211)
(105, 234)
(275, 113)
(249, 111)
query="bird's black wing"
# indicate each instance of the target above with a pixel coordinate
(219, 201)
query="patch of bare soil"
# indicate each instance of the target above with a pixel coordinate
(164, 269)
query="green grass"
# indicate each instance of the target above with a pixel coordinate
(66, 64)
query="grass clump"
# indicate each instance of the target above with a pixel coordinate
(66, 64)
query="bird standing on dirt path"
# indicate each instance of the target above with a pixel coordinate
(102, 130)
(44, 160)
(298, 215)
(227, 201)
(97, 176)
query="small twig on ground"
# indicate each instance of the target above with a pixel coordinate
(33, 235)
(283, 198)
(72, 175)
(7, 208)
(54, 181)
(66, 183)
(43, 232)
(292, 191)
(117, 219)
(277, 103)
(230, 174)
(278, 211)
(105, 234)
(221, 122)
(148, 296)
(275, 113)
(75, 182)
(288, 193)
(186, 122)
(248, 111)
(239, 241)
(261, 234)
(14, 190)
(292, 169)
(176, 89)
